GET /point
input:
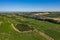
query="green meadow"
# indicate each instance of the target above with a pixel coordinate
(7, 32)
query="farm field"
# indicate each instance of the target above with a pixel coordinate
(42, 30)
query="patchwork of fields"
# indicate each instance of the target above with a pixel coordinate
(41, 28)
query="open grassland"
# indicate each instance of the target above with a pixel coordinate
(53, 14)
(50, 29)
(57, 19)
(7, 32)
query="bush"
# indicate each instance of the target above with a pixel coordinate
(23, 27)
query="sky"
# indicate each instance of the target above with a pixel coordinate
(29, 5)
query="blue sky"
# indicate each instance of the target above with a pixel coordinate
(29, 5)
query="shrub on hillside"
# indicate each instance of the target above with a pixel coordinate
(23, 27)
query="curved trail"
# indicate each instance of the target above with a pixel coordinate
(44, 35)
(0, 22)
(39, 32)
(15, 28)
(18, 30)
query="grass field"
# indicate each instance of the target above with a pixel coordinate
(54, 14)
(8, 33)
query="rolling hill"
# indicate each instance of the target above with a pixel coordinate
(12, 24)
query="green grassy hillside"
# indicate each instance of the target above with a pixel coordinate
(7, 32)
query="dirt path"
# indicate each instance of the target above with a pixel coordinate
(39, 32)
(20, 31)
(44, 35)
(15, 28)
(0, 22)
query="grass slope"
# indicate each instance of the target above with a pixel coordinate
(8, 33)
